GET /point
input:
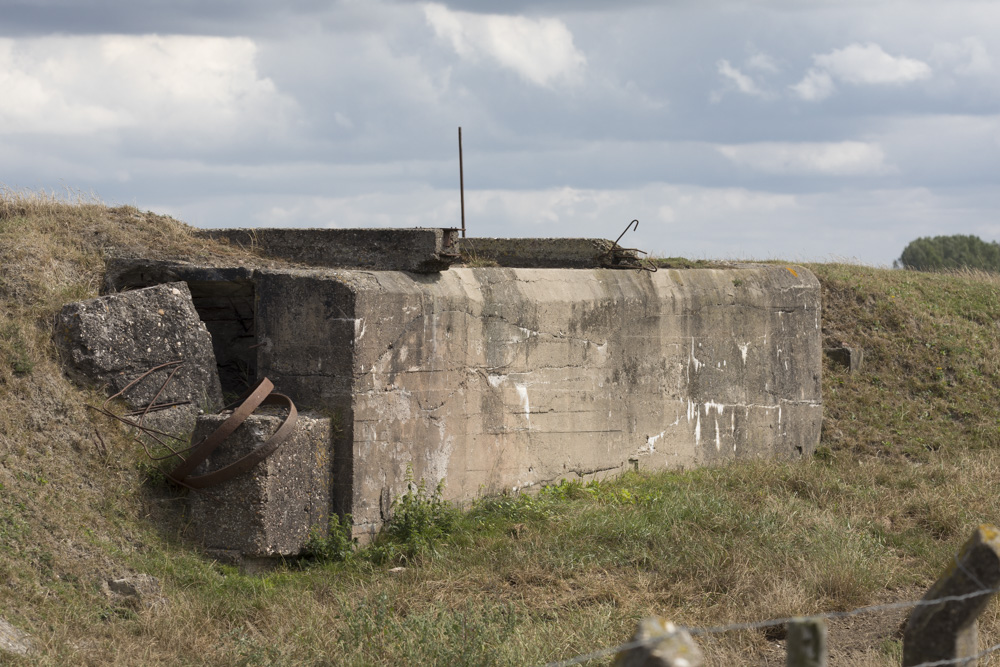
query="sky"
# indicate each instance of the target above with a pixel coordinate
(802, 130)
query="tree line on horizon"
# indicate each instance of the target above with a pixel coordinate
(959, 251)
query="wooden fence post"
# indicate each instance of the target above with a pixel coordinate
(949, 630)
(806, 643)
(667, 646)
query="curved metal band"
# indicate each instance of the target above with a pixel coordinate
(249, 402)
(258, 454)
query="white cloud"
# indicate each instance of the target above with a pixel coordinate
(194, 89)
(539, 50)
(743, 83)
(816, 85)
(844, 158)
(858, 64)
(869, 64)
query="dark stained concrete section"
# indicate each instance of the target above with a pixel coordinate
(548, 253)
(421, 250)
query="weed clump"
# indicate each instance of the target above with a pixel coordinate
(337, 546)
(418, 522)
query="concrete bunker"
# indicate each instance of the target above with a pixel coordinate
(544, 365)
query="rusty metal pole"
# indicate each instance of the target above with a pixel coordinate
(461, 179)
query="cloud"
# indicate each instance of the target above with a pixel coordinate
(858, 64)
(194, 90)
(763, 62)
(816, 85)
(967, 57)
(540, 50)
(844, 158)
(743, 83)
(690, 216)
(869, 64)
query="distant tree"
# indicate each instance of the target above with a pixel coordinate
(950, 252)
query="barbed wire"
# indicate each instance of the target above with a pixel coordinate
(757, 625)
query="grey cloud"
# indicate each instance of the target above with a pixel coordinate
(378, 99)
(195, 17)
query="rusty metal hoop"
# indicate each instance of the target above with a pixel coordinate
(258, 395)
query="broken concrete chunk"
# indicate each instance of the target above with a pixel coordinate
(112, 340)
(270, 510)
(139, 591)
(848, 357)
(13, 640)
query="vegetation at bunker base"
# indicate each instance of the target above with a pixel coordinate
(906, 469)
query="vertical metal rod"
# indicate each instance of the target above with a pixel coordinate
(461, 179)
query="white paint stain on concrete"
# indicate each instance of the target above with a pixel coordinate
(651, 442)
(359, 329)
(496, 380)
(522, 392)
(743, 351)
(694, 360)
(720, 408)
(732, 428)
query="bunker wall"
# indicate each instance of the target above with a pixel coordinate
(500, 379)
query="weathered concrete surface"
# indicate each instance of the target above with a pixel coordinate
(422, 250)
(13, 641)
(949, 631)
(112, 340)
(224, 298)
(270, 510)
(497, 379)
(558, 253)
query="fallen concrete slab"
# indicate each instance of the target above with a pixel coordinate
(112, 340)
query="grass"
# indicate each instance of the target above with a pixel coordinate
(906, 469)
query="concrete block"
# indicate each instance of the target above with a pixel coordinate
(13, 641)
(270, 510)
(664, 645)
(556, 253)
(422, 250)
(848, 357)
(112, 340)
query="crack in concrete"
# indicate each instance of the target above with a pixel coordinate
(579, 472)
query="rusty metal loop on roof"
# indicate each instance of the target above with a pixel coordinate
(258, 395)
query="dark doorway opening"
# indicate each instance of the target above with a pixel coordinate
(228, 309)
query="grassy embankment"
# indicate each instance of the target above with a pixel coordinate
(906, 470)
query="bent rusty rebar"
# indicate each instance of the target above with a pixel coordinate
(258, 395)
